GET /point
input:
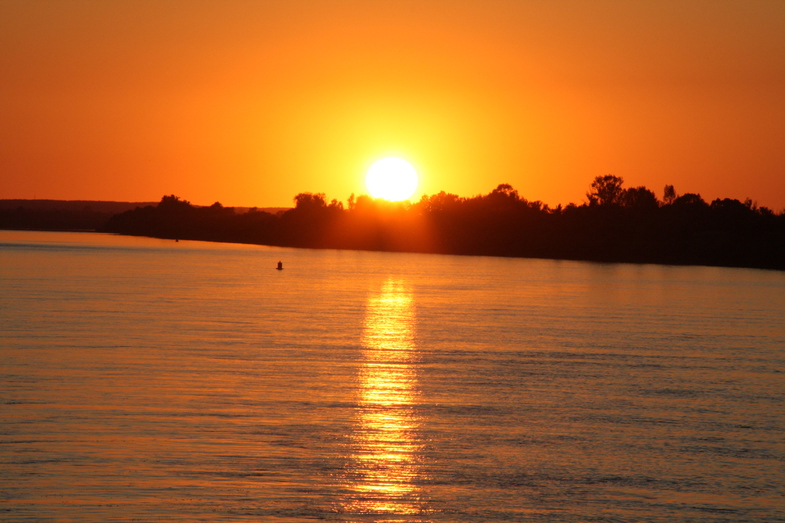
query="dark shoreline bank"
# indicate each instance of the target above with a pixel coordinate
(616, 226)
(604, 260)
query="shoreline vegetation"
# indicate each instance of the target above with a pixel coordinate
(614, 225)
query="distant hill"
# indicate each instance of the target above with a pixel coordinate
(61, 215)
(271, 210)
(78, 215)
(102, 206)
(72, 205)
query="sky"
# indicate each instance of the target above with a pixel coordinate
(252, 102)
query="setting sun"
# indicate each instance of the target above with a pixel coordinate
(391, 178)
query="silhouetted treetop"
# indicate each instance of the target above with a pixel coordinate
(668, 194)
(690, 200)
(306, 200)
(174, 203)
(606, 190)
(505, 189)
(640, 199)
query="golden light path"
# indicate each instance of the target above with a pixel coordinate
(385, 463)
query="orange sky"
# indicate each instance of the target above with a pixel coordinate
(251, 102)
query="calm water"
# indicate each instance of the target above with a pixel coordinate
(148, 380)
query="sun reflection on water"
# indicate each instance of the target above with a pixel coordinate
(385, 462)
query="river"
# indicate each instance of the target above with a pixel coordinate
(153, 380)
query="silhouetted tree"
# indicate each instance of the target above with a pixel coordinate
(690, 200)
(668, 194)
(440, 202)
(606, 190)
(640, 199)
(173, 203)
(306, 200)
(506, 190)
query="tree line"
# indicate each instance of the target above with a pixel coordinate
(615, 224)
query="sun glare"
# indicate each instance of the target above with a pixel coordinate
(391, 178)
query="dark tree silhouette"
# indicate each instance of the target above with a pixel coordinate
(640, 199)
(616, 225)
(173, 203)
(668, 194)
(606, 190)
(308, 201)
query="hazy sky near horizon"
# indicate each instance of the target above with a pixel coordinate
(251, 102)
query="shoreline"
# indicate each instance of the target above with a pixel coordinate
(574, 259)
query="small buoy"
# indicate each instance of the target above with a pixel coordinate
(280, 266)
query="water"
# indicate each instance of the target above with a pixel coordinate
(148, 380)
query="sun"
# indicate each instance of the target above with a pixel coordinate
(391, 178)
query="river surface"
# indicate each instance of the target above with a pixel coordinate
(152, 380)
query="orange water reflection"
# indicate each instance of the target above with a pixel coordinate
(385, 463)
